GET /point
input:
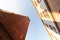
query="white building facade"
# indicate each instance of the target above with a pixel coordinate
(48, 11)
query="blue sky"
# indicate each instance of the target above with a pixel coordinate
(36, 30)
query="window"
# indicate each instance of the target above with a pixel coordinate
(38, 1)
(45, 13)
(53, 28)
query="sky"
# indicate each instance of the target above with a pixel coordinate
(36, 30)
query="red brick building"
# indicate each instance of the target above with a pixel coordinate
(13, 26)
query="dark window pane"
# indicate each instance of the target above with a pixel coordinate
(38, 1)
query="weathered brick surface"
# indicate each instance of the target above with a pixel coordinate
(3, 34)
(15, 25)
